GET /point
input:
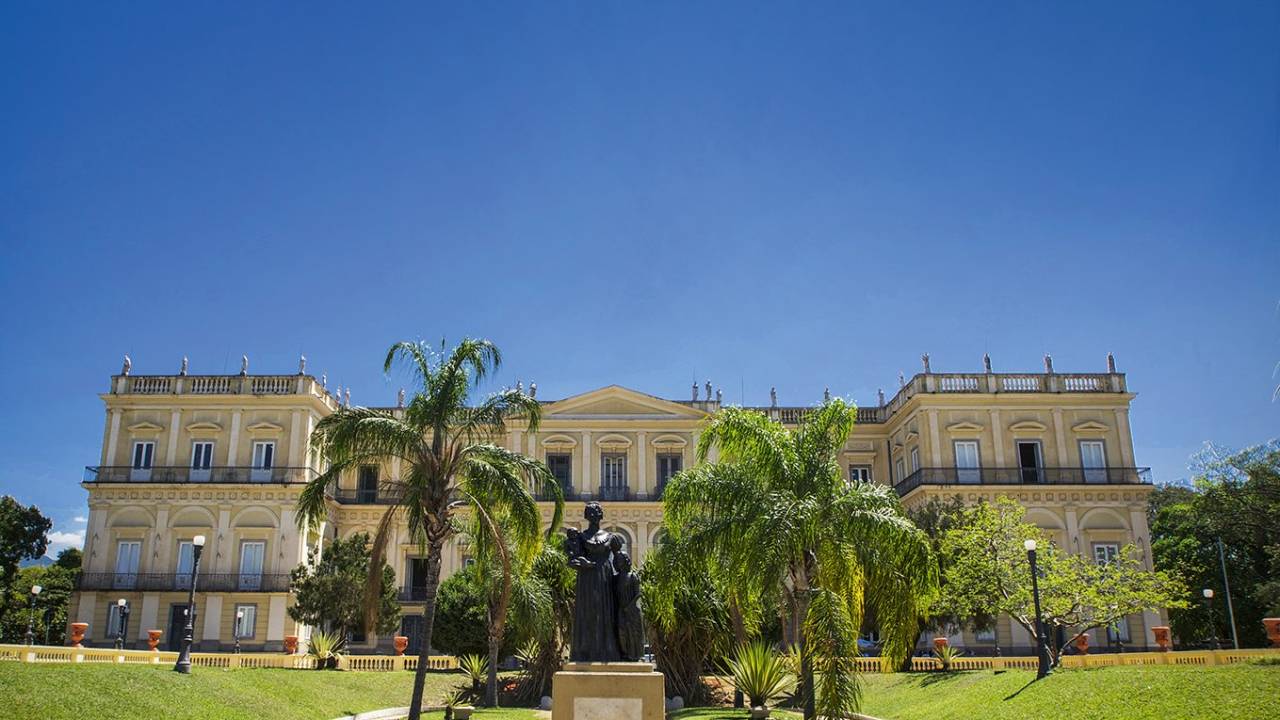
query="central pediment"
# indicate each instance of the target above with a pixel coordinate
(617, 402)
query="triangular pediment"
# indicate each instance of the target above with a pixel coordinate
(616, 401)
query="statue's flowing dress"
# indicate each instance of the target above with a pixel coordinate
(595, 635)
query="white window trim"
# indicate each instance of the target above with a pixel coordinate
(252, 622)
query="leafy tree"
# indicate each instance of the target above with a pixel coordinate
(777, 511)
(462, 616)
(986, 573)
(448, 460)
(329, 592)
(70, 558)
(22, 535)
(935, 518)
(50, 616)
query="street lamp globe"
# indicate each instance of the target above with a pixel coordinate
(198, 541)
(35, 589)
(122, 602)
(1208, 593)
(1030, 545)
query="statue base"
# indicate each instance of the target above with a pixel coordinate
(608, 691)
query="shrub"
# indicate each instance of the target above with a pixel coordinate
(945, 655)
(760, 673)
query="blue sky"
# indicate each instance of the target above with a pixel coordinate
(802, 196)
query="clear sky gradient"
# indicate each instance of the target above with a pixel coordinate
(800, 195)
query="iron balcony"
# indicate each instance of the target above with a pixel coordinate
(1022, 476)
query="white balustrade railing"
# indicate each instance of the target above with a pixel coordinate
(212, 385)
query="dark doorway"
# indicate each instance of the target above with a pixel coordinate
(418, 579)
(1029, 463)
(367, 490)
(177, 627)
(411, 627)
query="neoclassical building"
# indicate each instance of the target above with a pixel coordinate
(224, 456)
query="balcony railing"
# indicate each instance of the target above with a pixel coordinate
(1023, 476)
(364, 497)
(412, 594)
(222, 385)
(178, 474)
(175, 582)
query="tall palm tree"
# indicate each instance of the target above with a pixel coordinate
(777, 510)
(448, 463)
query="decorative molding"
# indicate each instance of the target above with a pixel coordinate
(1090, 426)
(965, 427)
(669, 442)
(559, 441)
(1028, 426)
(145, 427)
(613, 441)
(204, 427)
(264, 427)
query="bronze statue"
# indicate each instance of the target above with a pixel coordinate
(595, 617)
(627, 599)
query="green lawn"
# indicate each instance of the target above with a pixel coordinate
(725, 714)
(127, 692)
(1110, 693)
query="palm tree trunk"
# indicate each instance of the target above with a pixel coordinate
(739, 639)
(807, 691)
(491, 686)
(428, 619)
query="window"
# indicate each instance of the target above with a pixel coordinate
(668, 464)
(1105, 553)
(367, 484)
(186, 560)
(1118, 632)
(561, 467)
(899, 470)
(264, 456)
(251, 554)
(967, 461)
(127, 554)
(1029, 462)
(1093, 458)
(613, 475)
(915, 459)
(201, 459)
(859, 474)
(144, 452)
(117, 622)
(985, 635)
(246, 619)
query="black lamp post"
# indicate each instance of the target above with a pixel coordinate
(1213, 626)
(31, 614)
(122, 617)
(1042, 642)
(236, 630)
(184, 654)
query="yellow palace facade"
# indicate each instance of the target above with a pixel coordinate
(225, 456)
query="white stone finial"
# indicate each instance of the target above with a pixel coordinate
(302, 364)
(244, 364)
(708, 388)
(902, 379)
(324, 380)
(925, 359)
(773, 397)
(128, 365)
(1111, 363)
(1048, 363)
(880, 395)
(826, 394)
(183, 370)
(348, 403)
(695, 391)
(400, 398)
(986, 363)
(519, 387)
(533, 390)
(719, 395)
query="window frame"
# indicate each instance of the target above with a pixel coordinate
(613, 468)
(1110, 551)
(236, 624)
(966, 475)
(859, 473)
(565, 460)
(663, 462)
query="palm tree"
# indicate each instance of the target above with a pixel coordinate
(448, 462)
(777, 510)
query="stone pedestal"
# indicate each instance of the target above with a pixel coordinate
(607, 691)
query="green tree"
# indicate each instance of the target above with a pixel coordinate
(50, 609)
(70, 558)
(23, 535)
(329, 591)
(462, 616)
(448, 462)
(986, 573)
(776, 510)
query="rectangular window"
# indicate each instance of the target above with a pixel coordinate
(201, 459)
(985, 635)
(127, 554)
(1119, 632)
(1093, 458)
(251, 555)
(264, 456)
(967, 462)
(859, 474)
(186, 559)
(561, 467)
(1105, 553)
(117, 622)
(900, 470)
(668, 465)
(915, 459)
(1029, 462)
(367, 484)
(246, 621)
(143, 453)
(613, 476)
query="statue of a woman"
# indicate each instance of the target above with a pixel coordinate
(590, 551)
(627, 597)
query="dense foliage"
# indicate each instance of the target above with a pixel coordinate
(49, 618)
(329, 591)
(23, 535)
(1236, 499)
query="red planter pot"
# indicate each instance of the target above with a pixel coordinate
(77, 633)
(401, 643)
(153, 639)
(1162, 637)
(1273, 630)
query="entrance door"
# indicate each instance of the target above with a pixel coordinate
(1029, 461)
(177, 627)
(411, 627)
(1093, 458)
(967, 461)
(251, 565)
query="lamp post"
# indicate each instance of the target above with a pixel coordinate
(1042, 642)
(122, 617)
(31, 614)
(1213, 629)
(236, 630)
(184, 655)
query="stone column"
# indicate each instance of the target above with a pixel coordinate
(642, 456)
(1126, 439)
(295, 439)
(210, 611)
(585, 484)
(1059, 432)
(997, 437)
(113, 440)
(175, 422)
(233, 447)
(935, 441)
(642, 542)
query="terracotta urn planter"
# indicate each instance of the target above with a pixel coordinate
(1162, 637)
(939, 643)
(77, 633)
(1082, 643)
(153, 639)
(401, 643)
(1273, 630)
(290, 644)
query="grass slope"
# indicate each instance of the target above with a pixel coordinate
(127, 692)
(1110, 693)
(728, 714)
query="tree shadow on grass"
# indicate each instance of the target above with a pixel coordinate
(1018, 692)
(935, 678)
